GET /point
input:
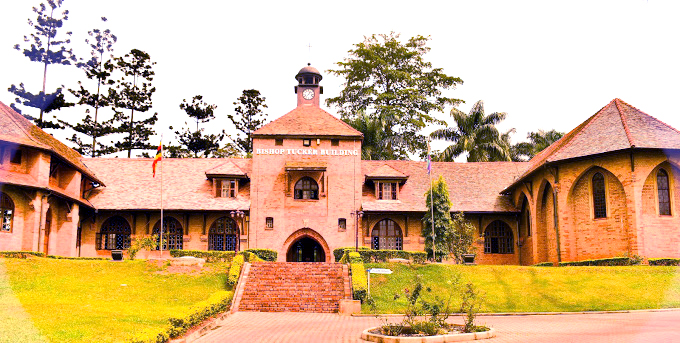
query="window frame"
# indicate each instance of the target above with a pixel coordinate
(383, 242)
(227, 235)
(15, 156)
(231, 188)
(269, 222)
(7, 204)
(599, 195)
(504, 244)
(108, 236)
(659, 191)
(342, 224)
(308, 189)
(174, 241)
(306, 142)
(393, 190)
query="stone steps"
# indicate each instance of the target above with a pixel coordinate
(295, 287)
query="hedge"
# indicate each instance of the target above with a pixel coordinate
(20, 254)
(543, 264)
(368, 255)
(77, 258)
(337, 253)
(237, 264)
(613, 261)
(265, 254)
(664, 261)
(209, 256)
(179, 325)
(359, 282)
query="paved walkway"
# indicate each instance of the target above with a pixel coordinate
(638, 326)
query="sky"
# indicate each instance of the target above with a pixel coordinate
(547, 64)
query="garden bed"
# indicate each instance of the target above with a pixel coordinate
(454, 334)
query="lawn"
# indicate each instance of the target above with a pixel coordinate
(537, 289)
(102, 301)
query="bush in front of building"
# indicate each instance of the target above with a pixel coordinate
(20, 254)
(265, 254)
(209, 256)
(339, 252)
(614, 261)
(359, 282)
(179, 325)
(368, 255)
(76, 258)
(543, 264)
(236, 265)
(664, 261)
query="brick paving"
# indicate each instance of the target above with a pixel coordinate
(632, 327)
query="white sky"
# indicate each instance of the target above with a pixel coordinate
(548, 65)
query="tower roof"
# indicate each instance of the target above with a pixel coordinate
(308, 120)
(617, 126)
(309, 70)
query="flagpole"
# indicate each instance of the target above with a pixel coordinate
(429, 173)
(161, 231)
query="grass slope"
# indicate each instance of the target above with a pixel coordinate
(102, 301)
(538, 289)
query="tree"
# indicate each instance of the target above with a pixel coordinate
(249, 117)
(475, 134)
(46, 48)
(133, 92)
(376, 144)
(461, 239)
(537, 142)
(98, 68)
(196, 143)
(438, 210)
(390, 81)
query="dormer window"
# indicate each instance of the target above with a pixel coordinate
(15, 156)
(388, 190)
(226, 188)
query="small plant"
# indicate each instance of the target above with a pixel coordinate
(138, 243)
(470, 306)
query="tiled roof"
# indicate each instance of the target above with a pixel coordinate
(473, 187)
(308, 120)
(386, 172)
(227, 168)
(130, 184)
(15, 128)
(615, 127)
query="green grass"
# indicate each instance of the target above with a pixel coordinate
(102, 301)
(537, 289)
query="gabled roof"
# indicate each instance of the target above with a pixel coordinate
(226, 169)
(14, 128)
(473, 187)
(617, 126)
(185, 187)
(308, 120)
(386, 172)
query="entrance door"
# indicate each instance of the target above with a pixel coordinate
(306, 249)
(48, 223)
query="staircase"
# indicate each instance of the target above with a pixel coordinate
(292, 287)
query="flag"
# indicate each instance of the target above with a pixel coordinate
(429, 162)
(158, 157)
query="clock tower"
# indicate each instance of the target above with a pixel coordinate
(308, 89)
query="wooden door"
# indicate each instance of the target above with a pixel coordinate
(48, 224)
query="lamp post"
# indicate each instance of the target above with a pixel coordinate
(357, 215)
(238, 214)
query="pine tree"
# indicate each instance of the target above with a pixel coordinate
(44, 46)
(443, 225)
(196, 143)
(98, 68)
(249, 117)
(133, 92)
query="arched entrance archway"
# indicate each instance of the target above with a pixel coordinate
(305, 249)
(308, 240)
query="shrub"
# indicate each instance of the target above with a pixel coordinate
(613, 261)
(359, 282)
(237, 264)
(148, 243)
(76, 258)
(265, 254)
(368, 255)
(664, 261)
(543, 264)
(20, 254)
(209, 256)
(339, 252)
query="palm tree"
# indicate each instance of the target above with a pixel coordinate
(475, 134)
(537, 142)
(377, 144)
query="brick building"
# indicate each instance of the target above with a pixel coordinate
(609, 187)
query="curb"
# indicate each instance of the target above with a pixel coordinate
(532, 313)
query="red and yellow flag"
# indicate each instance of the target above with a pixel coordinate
(158, 157)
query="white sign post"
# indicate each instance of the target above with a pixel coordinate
(376, 271)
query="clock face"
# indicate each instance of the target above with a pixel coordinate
(308, 94)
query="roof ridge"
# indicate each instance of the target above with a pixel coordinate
(617, 102)
(649, 115)
(14, 120)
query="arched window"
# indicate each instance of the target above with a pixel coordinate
(115, 234)
(498, 238)
(7, 211)
(663, 189)
(223, 235)
(172, 231)
(387, 235)
(306, 188)
(599, 197)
